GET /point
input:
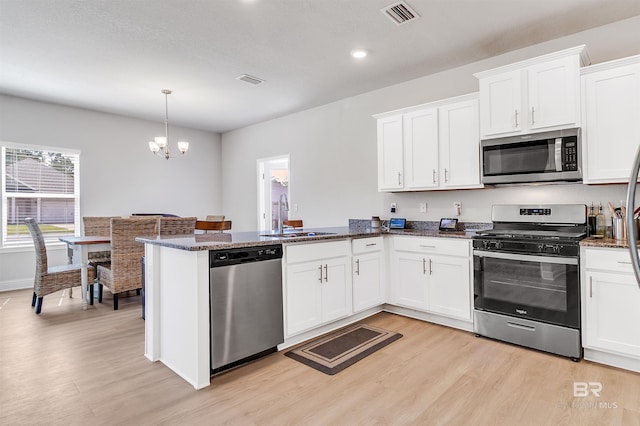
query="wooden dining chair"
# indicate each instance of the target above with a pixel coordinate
(294, 223)
(124, 272)
(97, 226)
(205, 225)
(51, 279)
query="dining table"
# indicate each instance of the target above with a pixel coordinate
(81, 247)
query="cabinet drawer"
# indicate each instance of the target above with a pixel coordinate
(454, 247)
(617, 260)
(366, 245)
(312, 251)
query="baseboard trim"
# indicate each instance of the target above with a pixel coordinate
(16, 284)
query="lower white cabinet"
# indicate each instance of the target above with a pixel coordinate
(611, 304)
(368, 268)
(317, 284)
(432, 275)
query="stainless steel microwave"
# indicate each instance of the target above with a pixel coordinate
(542, 157)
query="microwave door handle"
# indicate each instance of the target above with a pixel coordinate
(558, 154)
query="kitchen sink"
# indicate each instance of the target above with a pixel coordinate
(296, 234)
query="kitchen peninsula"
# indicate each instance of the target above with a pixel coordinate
(177, 328)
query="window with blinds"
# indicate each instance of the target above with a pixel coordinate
(41, 183)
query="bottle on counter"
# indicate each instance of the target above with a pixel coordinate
(591, 220)
(601, 226)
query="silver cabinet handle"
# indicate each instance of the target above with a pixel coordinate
(624, 263)
(590, 287)
(320, 273)
(357, 266)
(424, 266)
(423, 246)
(446, 179)
(533, 116)
(372, 244)
(399, 182)
(326, 273)
(516, 119)
(430, 267)
(434, 175)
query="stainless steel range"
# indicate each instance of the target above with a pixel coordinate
(527, 277)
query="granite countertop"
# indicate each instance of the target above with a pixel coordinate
(604, 242)
(228, 240)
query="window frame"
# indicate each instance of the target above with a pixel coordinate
(4, 195)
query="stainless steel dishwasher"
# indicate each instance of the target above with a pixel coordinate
(245, 304)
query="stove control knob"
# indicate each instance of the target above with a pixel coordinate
(498, 245)
(486, 245)
(541, 248)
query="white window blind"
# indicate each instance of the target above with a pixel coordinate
(41, 183)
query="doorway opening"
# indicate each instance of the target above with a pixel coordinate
(273, 181)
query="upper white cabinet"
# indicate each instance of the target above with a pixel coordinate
(535, 95)
(611, 119)
(430, 146)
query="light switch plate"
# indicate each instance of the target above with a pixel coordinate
(394, 206)
(423, 207)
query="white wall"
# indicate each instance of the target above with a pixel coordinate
(333, 148)
(118, 174)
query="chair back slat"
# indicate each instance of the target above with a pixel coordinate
(177, 225)
(126, 252)
(41, 249)
(97, 226)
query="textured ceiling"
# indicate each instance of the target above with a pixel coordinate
(117, 55)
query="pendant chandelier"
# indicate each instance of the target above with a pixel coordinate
(160, 144)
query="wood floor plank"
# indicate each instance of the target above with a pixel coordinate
(68, 366)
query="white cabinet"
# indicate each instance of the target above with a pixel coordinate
(390, 153)
(611, 120)
(430, 146)
(611, 307)
(368, 268)
(459, 146)
(432, 275)
(535, 95)
(317, 284)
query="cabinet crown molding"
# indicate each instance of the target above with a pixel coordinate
(578, 50)
(631, 60)
(434, 104)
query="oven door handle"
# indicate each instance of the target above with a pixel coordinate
(527, 257)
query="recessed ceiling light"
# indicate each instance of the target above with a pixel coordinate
(359, 53)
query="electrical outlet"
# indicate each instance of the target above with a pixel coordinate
(423, 207)
(457, 207)
(393, 207)
(295, 207)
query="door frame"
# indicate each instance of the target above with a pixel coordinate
(264, 196)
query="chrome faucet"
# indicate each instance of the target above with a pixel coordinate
(282, 202)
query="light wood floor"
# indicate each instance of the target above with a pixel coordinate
(68, 366)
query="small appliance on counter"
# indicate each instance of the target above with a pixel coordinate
(397, 223)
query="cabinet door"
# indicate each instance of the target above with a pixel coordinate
(611, 128)
(554, 93)
(459, 145)
(501, 100)
(450, 286)
(390, 153)
(421, 149)
(367, 281)
(336, 289)
(612, 313)
(409, 280)
(303, 296)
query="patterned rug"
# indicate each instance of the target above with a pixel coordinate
(336, 351)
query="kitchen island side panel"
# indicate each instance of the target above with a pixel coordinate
(177, 299)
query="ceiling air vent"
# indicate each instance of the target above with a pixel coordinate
(400, 13)
(250, 79)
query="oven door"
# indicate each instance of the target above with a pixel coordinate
(543, 288)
